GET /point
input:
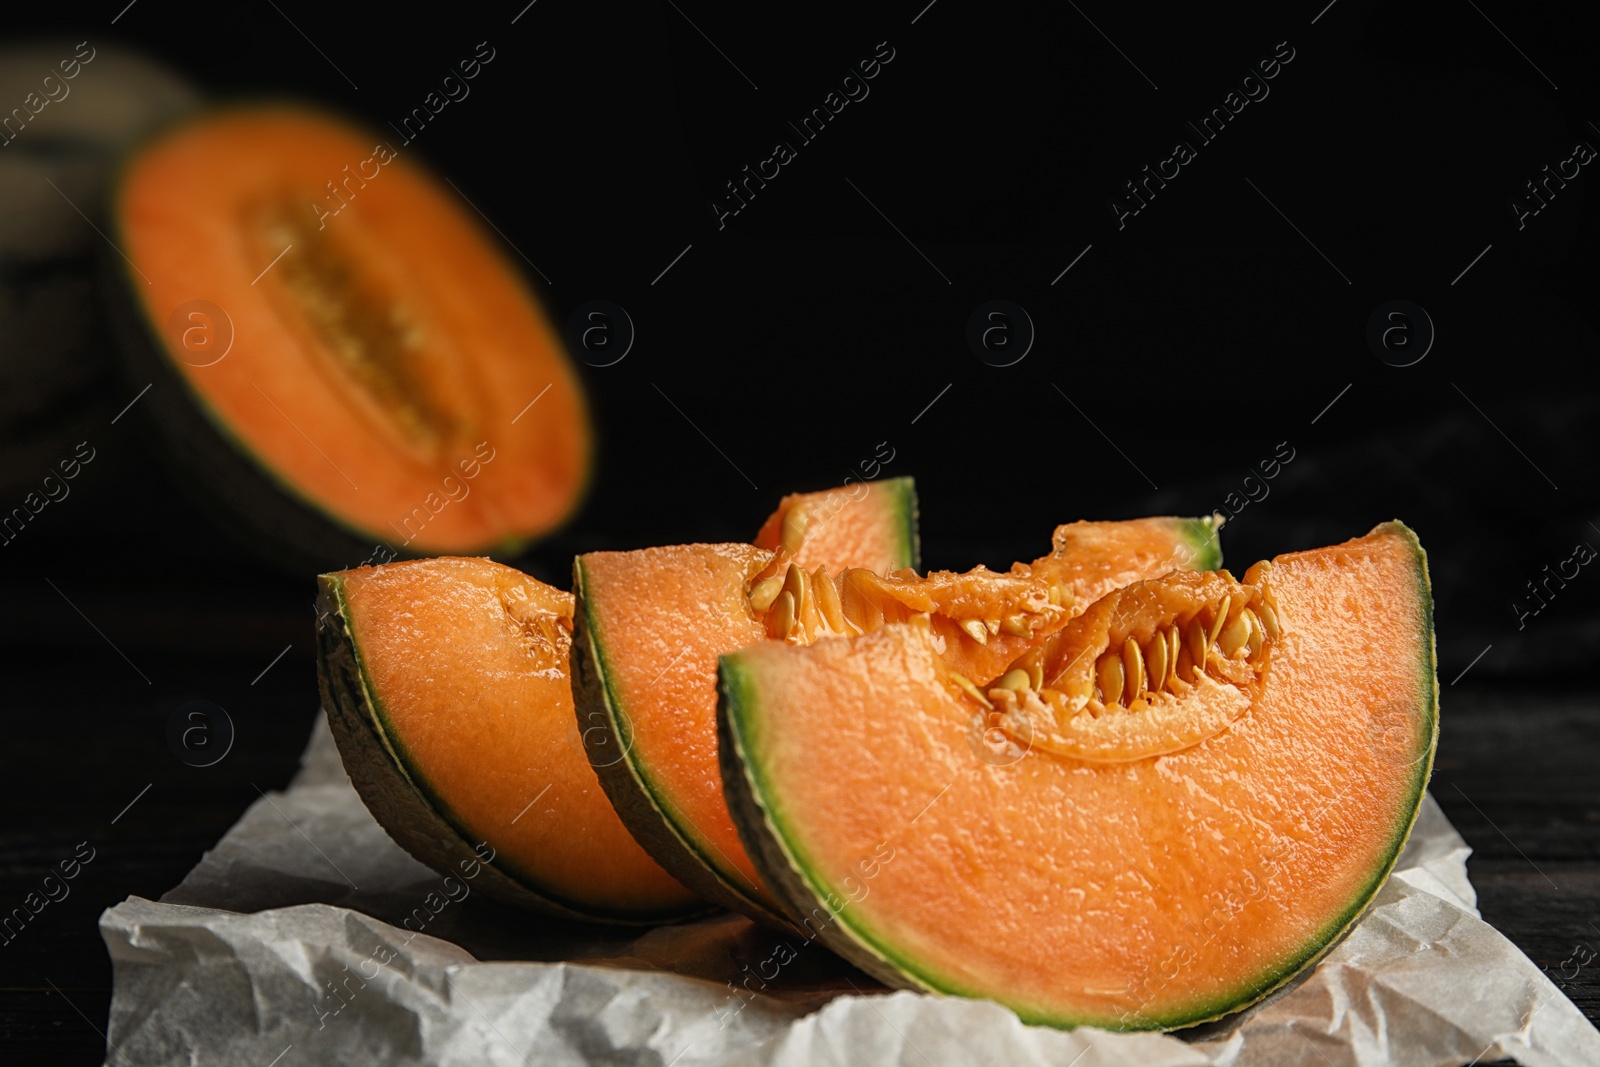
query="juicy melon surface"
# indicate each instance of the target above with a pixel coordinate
(465, 661)
(1148, 894)
(871, 524)
(652, 625)
(695, 611)
(654, 621)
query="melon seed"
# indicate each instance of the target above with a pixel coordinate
(1255, 632)
(1235, 634)
(1196, 643)
(780, 621)
(975, 629)
(827, 595)
(1109, 672)
(1172, 657)
(1016, 679)
(970, 689)
(1216, 623)
(1269, 620)
(794, 583)
(1132, 669)
(764, 592)
(1016, 626)
(1155, 662)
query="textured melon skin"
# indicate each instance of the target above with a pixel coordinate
(639, 805)
(752, 801)
(398, 796)
(217, 470)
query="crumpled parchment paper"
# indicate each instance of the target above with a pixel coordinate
(307, 936)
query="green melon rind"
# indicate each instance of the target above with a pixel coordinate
(903, 492)
(1202, 537)
(640, 801)
(760, 822)
(396, 792)
(243, 492)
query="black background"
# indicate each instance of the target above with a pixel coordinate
(823, 319)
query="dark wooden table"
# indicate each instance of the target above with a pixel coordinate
(87, 760)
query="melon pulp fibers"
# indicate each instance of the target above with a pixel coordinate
(1157, 877)
(445, 682)
(341, 352)
(651, 624)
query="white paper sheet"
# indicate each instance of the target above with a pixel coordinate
(307, 936)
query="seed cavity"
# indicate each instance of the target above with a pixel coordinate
(1119, 685)
(366, 332)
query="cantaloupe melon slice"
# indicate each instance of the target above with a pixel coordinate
(650, 625)
(446, 685)
(1157, 852)
(870, 524)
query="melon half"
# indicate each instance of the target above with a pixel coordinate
(1190, 798)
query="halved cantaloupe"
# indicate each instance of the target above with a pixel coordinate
(342, 355)
(1169, 845)
(445, 683)
(651, 624)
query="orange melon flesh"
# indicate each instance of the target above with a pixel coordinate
(465, 662)
(653, 623)
(381, 370)
(1129, 894)
(674, 611)
(870, 524)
